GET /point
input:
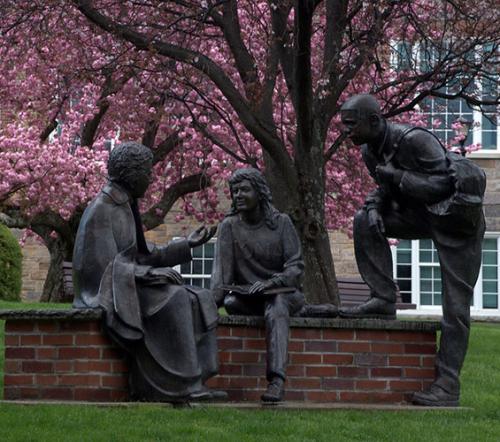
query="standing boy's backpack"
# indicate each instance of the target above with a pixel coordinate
(469, 180)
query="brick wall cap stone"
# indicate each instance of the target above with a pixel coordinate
(339, 323)
(51, 314)
(233, 320)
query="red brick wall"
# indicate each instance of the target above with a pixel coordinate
(74, 361)
(330, 365)
(62, 360)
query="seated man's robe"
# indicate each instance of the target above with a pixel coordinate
(168, 329)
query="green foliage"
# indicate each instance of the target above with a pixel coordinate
(10, 265)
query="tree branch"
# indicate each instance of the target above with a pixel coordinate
(161, 151)
(303, 96)
(53, 121)
(267, 138)
(245, 62)
(193, 183)
(151, 128)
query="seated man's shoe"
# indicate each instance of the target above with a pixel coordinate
(275, 391)
(435, 397)
(207, 394)
(373, 308)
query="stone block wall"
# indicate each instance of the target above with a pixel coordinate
(65, 356)
(492, 196)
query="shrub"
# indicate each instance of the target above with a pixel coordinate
(10, 265)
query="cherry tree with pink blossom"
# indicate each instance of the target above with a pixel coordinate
(224, 84)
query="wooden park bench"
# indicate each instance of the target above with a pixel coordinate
(68, 280)
(354, 291)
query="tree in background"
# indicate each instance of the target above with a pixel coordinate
(251, 83)
(66, 94)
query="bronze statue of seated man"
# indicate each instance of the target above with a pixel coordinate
(167, 328)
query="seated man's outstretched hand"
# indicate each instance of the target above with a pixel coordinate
(200, 236)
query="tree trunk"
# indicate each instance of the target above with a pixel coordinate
(320, 282)
(60, 250)
(301, 203)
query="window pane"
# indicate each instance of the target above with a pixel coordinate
(403, 257)
(197, 267)
(208, 267)
(435, 257)
(490, 301)
(404, 271)
(404, 244)
(209, 250)
(490, 257)
(437, 299)
(425, 244)
(490, 244)
(436, 273)
(425, 299)
(426, 272)
(425, 256)
(490, 272)
(489, 140)
(200, 266)
(198, 252)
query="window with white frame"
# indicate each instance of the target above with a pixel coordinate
(197, 272)
(484, 130)
(403, 270)
(489, 273)
(417, 271)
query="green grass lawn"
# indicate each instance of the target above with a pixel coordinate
(31, 305)
(480, 392)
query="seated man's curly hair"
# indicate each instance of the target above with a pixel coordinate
(126, 159)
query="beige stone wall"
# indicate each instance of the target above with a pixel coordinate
(492, 198)
(35, 266)
(343, 255)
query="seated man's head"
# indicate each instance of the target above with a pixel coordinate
(130, 165)
(361, 118)
(249, 192)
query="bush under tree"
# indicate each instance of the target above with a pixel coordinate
(10, 266)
